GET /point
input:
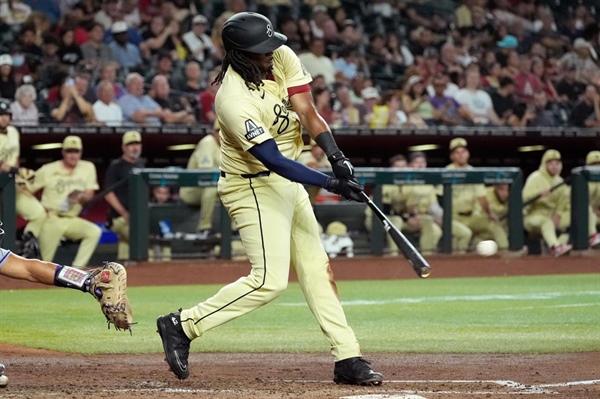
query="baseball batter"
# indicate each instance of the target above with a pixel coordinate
(67, 185)
(206, 155)
(27, 205)
(593, 159)
(262, 105)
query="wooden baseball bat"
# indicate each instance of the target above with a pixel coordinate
(416, 260)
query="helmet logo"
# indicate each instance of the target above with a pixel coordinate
(269, 30)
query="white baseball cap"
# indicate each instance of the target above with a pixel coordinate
(6, 59)
(369, 92)
(119, 27)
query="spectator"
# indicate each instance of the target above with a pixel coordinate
(370, 98)
(388, 112)
(149, 9)
(172, 109)
(206, 155)
(357, 84)
(568, 88)
(350, 114)
(350, 35)
(163, 66)
(197, 41)
(72, 107)
(69, 52)
(106, 110)
(14, 13)
(137, 107)
(126, 53)
(66, 186)
(539, 69)
(29, 48)
(551, 211)
(109, 14)
(430, 65)
(347, 64)
(512, 64)
(585, 59)
(289, 27)
(503, 99)
(207, 98)
(161, 195)
(108, 71)
(526, 83)
(24, 110)
(8, 85)
(48, 8)
(446, 111)
(95, 51)
(378, 57)
(416, 102)
(491, 82)
(476, 101)
(316, 63)
(587, 112)
(159, 37)
(118, 198)
(190, 88)
(542, 115)
(322, 98)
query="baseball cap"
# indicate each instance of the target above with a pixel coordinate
(413, 79)
(132, 136)
(5, 108)
(369, 92)
(582, 43)
(72, 143)
(457, 142)
(592, 158)
(509, 41)
(200, 19)
(119, 27)
(6, 59)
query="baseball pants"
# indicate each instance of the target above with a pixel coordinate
(537, 224)
(206, 198)
(278, 228)
(30, 209)
(73, 228)
(481, 224)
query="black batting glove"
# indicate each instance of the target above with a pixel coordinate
(347, 188)
(341, 166)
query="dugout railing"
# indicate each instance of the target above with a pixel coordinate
(580, 203)
(142, 179)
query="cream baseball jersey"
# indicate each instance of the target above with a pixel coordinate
(249, 117)
(9, 146)
(464, 196)
(3, 256)
(58, 182)
(419, 197)
(206, 155)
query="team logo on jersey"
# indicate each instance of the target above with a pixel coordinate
(252, 129)
(269, 30)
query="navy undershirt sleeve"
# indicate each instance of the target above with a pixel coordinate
(268, 153)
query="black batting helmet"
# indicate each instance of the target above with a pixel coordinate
(5, 108)
(251, 32)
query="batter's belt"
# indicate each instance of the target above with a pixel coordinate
(264, 173)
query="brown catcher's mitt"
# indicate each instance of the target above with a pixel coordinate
(108, 285)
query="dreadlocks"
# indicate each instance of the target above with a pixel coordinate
(244, 66)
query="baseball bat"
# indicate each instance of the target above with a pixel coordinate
(416, 260)
(102, 193)
(537, 197)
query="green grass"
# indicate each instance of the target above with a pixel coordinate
(539, 314)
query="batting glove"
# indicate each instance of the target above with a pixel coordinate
(347, 188)
(341, 166)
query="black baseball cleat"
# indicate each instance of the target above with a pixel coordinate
(175, 343)
(355, 371)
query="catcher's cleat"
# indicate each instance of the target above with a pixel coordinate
(175, 344)
(355, 371)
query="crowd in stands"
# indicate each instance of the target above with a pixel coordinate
(381, 63)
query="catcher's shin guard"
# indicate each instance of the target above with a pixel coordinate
(175, 344)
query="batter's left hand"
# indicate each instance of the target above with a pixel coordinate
(342, 168)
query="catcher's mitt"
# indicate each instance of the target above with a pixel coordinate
(108, 285)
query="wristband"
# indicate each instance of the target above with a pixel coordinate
(65, 276)
(326, 141)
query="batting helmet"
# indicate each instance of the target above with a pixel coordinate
(5, 108)
(251, 32)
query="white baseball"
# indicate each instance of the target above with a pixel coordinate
(3, 381)
(487, 248)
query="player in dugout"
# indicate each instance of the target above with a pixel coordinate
(262, 105)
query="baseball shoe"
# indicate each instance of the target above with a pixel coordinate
(355, 371)
(594, 240)
(175, 344)
(560, 249)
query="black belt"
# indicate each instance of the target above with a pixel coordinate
(264, 173)
(465, 213)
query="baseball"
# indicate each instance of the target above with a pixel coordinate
(487, 248)
(3, 381)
